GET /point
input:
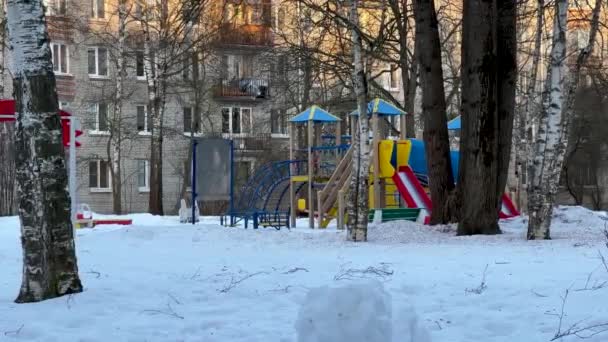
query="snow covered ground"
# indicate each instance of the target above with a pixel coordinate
(161, 281)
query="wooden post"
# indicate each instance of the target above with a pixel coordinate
(375, 141)
(341, 209)
(292, 169)
(311, 202)
(338, 141)
(403, 128)
(320, 207)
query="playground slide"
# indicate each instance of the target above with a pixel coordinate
(507, 209)
(412, 192)
(415, 197)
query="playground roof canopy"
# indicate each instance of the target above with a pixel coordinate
(316, 114)
(454, 124)
(381, 107)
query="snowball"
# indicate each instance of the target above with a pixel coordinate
(357, 312)
(353, 313)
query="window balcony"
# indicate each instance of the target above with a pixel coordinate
(242, 88)
(245, 34)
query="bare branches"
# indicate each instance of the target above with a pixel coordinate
(14, 332)
(596, 285)
(577, 329)
(482, 286)
(97, 274)
(294, 270)
(383, 272)
(167, 312)
(235, 282)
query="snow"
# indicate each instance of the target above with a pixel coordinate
(159, 280)
(354, 313)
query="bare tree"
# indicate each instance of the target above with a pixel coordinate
(585, 159)
(545, 165)
(167, 39)
(488, 100)
(359, 187)
(437, 145)
(49, 258)
(7, 156)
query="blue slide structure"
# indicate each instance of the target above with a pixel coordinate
(418, 161)
(263, 200)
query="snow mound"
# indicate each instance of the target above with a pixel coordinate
(357, 312)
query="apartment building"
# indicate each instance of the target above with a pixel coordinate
(247, 85)
(236, 98)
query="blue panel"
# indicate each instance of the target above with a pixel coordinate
(418, 159)
(454, 124)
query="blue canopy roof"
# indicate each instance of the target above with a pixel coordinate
(381, 107)
(316, 114)
(454, 124)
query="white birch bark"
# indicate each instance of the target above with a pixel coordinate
(529, 110)
(552, 137)
(47, 237)
(549, 130)
(116, 124)
(358, 205)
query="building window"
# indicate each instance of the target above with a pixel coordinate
(186, 68)
(280, 23)
(98, 61)
(580, 37)
(101, 117)
(278, 122)
(143, 175)
(56, 7)
(60, 55)
(144, 124)
(99, 175)
(140, 72)
(190, 120)
(243, 171)
(236, 120)
(98, 9)
(393, 79)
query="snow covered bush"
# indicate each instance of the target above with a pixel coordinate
(357, 312)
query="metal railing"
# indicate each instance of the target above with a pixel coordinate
(245, 34)
(246, 141)
(243, 87)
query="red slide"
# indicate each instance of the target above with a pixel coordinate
(415, 196)
(412, 191)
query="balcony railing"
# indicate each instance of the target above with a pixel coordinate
(247, 141)
(245, 88)
(246, 34)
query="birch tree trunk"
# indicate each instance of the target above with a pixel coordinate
(540, 204)
(436, 139)
(47, 237)
(116, 125)
(522, 145)
(545, 165)
(358, 204)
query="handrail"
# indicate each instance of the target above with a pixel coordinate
(333, 184)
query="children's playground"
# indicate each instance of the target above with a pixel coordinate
(314, 181)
